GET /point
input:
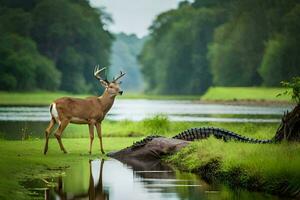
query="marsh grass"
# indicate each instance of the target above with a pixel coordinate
(24, 159)
(265, 167)
(160, 125)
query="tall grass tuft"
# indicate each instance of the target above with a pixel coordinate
(159, 124)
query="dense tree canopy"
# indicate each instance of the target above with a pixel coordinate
(222, 42)
(51, 44)
(54, 44)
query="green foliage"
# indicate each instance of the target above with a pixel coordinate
(281, 60)
(294, 89)
(174, 63)
(51, 45)
(23, 67)
(74, 39)
(157, 125)
(237, 49)
(225, 43)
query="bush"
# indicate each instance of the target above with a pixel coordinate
(294, 84)
(159, 124)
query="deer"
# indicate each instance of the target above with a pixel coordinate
(90, 111)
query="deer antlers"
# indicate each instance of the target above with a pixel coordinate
(120, 76)
(97, 72)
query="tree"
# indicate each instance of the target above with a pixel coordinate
(23, 68)
(174, 58)
(74, 39)
(52, 38)
(281, 60)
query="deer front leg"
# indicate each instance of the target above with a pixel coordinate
(59, 132)
(91, 129)
(98, 127)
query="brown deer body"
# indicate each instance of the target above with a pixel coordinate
(91, 111)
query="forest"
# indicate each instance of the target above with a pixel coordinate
(53, 45)
(209, 42)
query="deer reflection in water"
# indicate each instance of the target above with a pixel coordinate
(95, 192)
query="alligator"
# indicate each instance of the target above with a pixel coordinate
(193, 134)
(153, 147)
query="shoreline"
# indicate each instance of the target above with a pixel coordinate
(267, 168)
(240, 178)
(241, 102)
(248, 102)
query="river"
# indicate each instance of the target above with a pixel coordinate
(110, 179)
(137, 110)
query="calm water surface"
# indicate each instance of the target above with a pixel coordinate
(20, 122)
(113, 180)
(137, 110)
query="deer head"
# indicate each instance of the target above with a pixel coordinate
(113, 87)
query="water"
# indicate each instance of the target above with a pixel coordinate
(113, 180)
(137, 110)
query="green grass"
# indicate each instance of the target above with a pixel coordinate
(32, 98)
(24, 159)
(45, 98)
(158, 125)
(244, 93)
(213, 94)
(272, 168)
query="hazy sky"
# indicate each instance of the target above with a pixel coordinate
(134, 16)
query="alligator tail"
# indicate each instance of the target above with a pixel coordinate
(205, 132)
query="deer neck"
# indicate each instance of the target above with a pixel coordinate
(107, 101)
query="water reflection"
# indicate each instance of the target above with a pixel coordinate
(113, 180)
(95, 189)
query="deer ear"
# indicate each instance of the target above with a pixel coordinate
(104, 83)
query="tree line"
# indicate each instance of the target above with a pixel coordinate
(222, 43)
(52, 44)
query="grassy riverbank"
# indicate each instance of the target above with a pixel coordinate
(45, 98)
(244, 94)
(213, 94)
(24, 159)
(158, 125)
(272, 168)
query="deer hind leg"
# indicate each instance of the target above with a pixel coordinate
(47, 134)
(98, 127)
(63, 124)
(91, 130)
